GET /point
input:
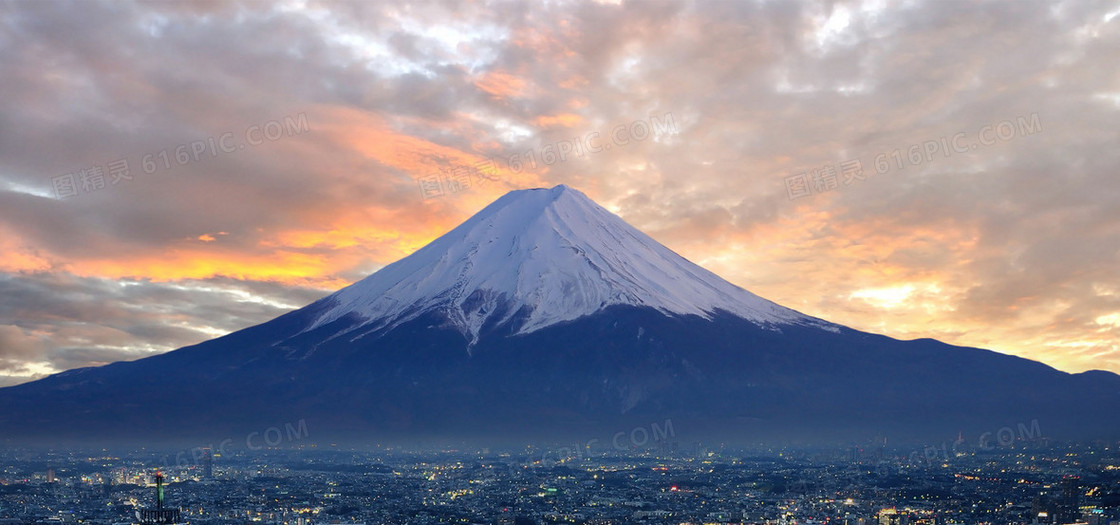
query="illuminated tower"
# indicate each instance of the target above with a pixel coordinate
(207, 463)
(158, 515)
(1068, 508)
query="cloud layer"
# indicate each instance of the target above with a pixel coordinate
(173, 171)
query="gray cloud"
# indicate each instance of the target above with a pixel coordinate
(88, 321)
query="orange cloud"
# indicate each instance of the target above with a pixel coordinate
(566, 120)
(369, 135)
(501, 85)
(182, 263)
(16, 257)
(362, 234)
(302, 257)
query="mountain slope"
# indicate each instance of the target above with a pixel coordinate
(551, 254)
(544, 316)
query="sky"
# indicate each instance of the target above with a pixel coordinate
(174, 171)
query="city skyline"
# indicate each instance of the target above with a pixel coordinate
(1025, 481)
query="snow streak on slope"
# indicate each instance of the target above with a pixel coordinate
(554, 251)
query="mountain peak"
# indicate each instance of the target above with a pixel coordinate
(535, 201)
(538, 257)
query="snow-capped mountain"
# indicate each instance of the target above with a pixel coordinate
(545, 317)
(551, 255)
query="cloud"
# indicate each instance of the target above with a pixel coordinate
(61, 321)
(17, 347)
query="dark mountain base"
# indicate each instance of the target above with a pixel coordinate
(621, 370)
